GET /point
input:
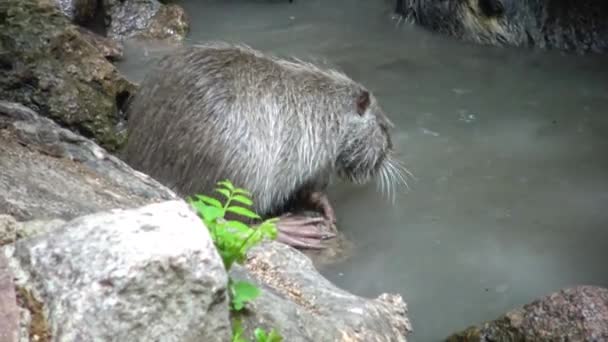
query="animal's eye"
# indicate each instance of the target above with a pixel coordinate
(363, 102)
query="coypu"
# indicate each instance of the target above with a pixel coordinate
(279, 128)
(580, 26)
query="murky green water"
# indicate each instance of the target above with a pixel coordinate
(510, 151)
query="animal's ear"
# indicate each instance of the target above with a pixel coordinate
(362, 102)
(492, 8)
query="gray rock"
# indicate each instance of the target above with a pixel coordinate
(12, 230)
(9, 311)
(304, 306)
(145, 19)
(145, 274)
(572, 314)
(79, 11)
(48, 172)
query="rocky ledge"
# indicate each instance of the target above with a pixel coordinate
(572, 314)
(100, 251)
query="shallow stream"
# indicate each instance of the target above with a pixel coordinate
(509, 149)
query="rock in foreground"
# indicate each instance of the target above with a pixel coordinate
(572, 314)
(146, 274)
(303, 306)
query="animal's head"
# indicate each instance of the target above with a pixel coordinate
(366, 150)
(499, 22)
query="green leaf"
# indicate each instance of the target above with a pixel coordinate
(274, 336)
(211, 213)
(242, 192)
(227, 184)
(260, 335)
(210, 201)
(224, 192)
(237, 331)
(242, 199)
(239, 226)
(243, 292)
(243, 212)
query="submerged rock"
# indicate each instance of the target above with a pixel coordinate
(304, 306)
(579, 26)
(573, 314)
(143, 274)
(49, 172)
(49, 66)
(145, 19)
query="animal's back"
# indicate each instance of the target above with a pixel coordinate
(221, 111)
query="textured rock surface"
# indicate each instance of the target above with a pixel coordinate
(79, 11)
(145, 19)
(9, 312)
(47, 64)
(304, 306)
(145, 274)
(579, 26)
(49, 172)
(572, 314)
(110, 49)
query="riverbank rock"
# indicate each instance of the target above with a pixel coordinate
(144, 274)
(572, 314)
(48, 172)
(576, 26)
(304, 306)
(110, 49)
(47, 65)
(148, 19)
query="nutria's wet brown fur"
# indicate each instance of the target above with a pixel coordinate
(279, 128)
(580, 26)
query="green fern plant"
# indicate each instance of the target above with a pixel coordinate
(233, 239)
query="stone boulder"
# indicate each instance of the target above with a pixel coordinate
(48, 65)
(577, 26)
(48, 172)
(304, 306)
(145, 274)
(572, 314)
(148, 19)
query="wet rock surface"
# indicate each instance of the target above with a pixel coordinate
(127, 275)
(48, 172)
(49, 66)
(573, 314)
(576, 26)
(304, 306)
(148, 19)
